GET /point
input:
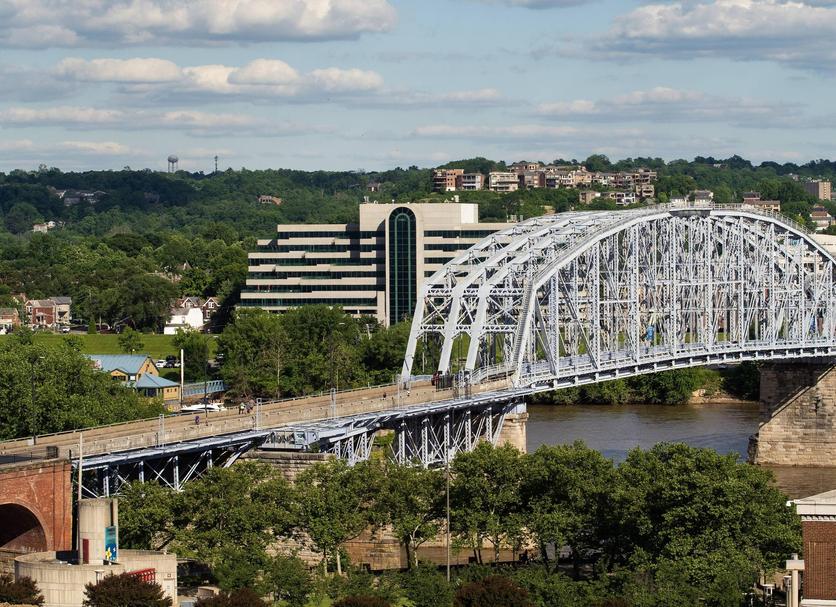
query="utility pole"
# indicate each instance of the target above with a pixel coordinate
(447, 482)
(78, 500)
(182, 374)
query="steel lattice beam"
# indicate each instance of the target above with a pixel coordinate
(577, 297)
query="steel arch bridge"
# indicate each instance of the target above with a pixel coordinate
(587, 296)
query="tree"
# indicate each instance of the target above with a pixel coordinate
(426, 587)
(492, 591)
(21, 217)
(243, 597)
(124, 590)
(195, 346)
(52, 387)
(334, 503)
(130, 341)
(411, 500)
(566, 490)
(485, 498)
(289, 579)
(146, 299)
(23, 591)
(229, 517)
(146, 512)
(253, 346)
(677, 511)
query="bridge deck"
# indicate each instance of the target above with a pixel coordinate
(179, 428)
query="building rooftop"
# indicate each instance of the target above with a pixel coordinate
(149, 380)
(819, 504)
(129, 364)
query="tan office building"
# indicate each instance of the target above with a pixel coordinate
(375, 267)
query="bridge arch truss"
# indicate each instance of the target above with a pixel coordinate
(585, 296)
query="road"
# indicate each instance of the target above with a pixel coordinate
(176, 428)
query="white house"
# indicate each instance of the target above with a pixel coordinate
(183, 318)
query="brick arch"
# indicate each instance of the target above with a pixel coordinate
(21, 530)
(36, 506)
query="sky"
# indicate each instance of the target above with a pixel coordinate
(375, 84)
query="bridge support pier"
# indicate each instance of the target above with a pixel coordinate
(514, 428)
(798, 414)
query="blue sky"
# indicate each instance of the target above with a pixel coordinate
(373, 84)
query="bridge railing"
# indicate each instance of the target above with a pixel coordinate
(198, 388)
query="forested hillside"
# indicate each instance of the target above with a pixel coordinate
(148, 236)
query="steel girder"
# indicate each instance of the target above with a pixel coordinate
(579, 296)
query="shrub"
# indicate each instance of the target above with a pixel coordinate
(21, 592)
(124, 590)
(492, 591)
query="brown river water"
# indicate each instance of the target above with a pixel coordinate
(615, 429)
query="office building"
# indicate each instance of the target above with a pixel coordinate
(375, 267)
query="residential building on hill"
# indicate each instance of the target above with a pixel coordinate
(821, 218)
(444, 180)
(9, 319)
(471, 182)
(375, 267)
(753, 199)
(818, 188)
(48, 313)
(503, 181)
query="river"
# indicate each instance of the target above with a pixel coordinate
(615, 429)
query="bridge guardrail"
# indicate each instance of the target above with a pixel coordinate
(17, 444)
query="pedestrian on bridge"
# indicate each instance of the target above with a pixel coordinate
(241, 408)
(196, 420)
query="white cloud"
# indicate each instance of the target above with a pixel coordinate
(265, 71)
(675, 105)
(334, 80)
(201, 124)
(524, 132)
(257, 79)
(56, 23)
(119, 70)
(789, 32)
(96, 148)
(537, 4)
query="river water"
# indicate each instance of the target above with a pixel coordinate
(615, 429)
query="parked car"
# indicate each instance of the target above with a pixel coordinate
(159, 363)
(64, 328)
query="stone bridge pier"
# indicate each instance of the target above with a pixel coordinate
(798, 414)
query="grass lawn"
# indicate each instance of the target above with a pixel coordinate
(157, 346)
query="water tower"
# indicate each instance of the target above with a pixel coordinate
(172, 163)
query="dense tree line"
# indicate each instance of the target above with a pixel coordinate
(307, 350)
(55, 388)
(113, 256)
(673, 525)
